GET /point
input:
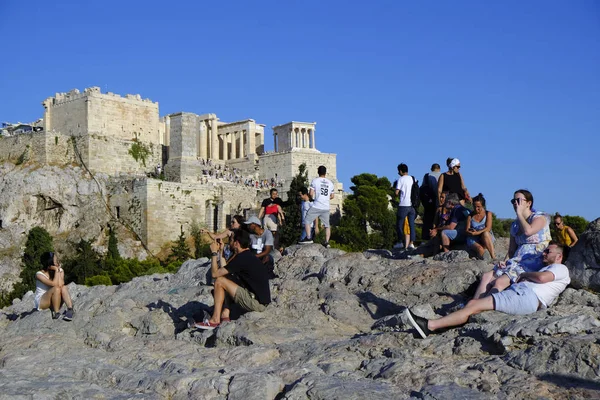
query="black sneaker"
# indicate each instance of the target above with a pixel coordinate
(68, 315)
(56, 315)
(306, 241)
(326, 245)
(420, 324)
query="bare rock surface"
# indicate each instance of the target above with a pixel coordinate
(333, 331)
(66, 201)
(584, 260)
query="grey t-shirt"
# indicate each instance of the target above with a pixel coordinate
(259, 242)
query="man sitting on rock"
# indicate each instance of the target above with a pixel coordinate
(244, 279)
(533, 291)
(261, 241)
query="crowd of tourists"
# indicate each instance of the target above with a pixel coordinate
(529, 278)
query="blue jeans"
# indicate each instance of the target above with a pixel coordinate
(403, 212)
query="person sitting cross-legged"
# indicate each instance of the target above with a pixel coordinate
(533, 291)
(243, 280)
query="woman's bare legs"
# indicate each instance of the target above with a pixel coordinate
(486, 238)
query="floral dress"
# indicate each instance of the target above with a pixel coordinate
(528, 256)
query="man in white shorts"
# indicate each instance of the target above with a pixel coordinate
(321, 190)
(533, 291)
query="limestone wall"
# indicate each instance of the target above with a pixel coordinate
(168, 206)
(67, 113)
(39, 147)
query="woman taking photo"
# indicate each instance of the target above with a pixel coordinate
(50, 289)
(452, 182)
(529, 236)
(479, 229)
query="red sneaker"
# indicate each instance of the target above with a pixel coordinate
(206, 325)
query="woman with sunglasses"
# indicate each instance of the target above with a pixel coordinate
(565, 234)
(452, 182)
(50, 289)
(529, 236)
(237, 222)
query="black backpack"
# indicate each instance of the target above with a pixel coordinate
(415, 199)
(427, 194)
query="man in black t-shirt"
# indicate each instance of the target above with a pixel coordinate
(244, 279)
(271, 209)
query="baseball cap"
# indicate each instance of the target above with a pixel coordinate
(253, 220)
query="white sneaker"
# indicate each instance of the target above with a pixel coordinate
(399, 246)
(411, 246)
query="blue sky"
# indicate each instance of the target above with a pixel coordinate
(511, 88)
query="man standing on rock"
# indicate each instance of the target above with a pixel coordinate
(533, 291)
(244, 279)
(271, 213)
(321, 190)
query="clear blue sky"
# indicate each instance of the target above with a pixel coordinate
(512, 88)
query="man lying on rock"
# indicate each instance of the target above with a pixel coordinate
(533, 291)
(243, 279)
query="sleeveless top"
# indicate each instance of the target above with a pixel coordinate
(40, 289)
(452, 185)
(563, 236)
(479, 226)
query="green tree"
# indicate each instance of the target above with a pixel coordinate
(498, 227)
(579, 224)
(103, 279)
(368, 221)
(180, 250)
(196, 233)
(85, 264)
(113, 248)
(38, 242)
(291, 230)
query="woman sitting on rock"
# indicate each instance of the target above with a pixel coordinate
(479, 229)
(50, 289)
(565, 234)
(452, 182)
(529, 236)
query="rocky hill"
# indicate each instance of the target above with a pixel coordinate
(66, 201)
(334, 331)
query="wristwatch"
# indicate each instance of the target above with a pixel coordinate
(214, 254)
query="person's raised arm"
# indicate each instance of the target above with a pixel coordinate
(215, 271)
(261, 213)
(536, 225)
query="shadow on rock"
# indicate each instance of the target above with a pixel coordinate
(572, 382)
(192, 310)
(16, 316)
(376, 306)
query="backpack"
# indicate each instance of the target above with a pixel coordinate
(415, 200)
(426, 192)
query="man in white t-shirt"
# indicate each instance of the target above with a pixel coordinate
(321, 190)
(405, 208)
(532, 292)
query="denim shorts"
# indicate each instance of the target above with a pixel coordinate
(517, 299)
(454, 235)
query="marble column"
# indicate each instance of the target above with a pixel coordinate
(312, 136)
(202, 150)
(214, 140)
(225, 146)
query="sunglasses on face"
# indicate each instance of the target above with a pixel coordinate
(457, 166)
(516, 201)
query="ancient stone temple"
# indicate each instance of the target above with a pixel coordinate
(165, 173)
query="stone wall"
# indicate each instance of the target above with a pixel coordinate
(124, 118)
(166, 207)
(40, 147)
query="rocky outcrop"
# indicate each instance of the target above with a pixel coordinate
(65, 201)
(333, 331)
(584, 260)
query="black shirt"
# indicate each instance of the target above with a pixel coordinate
(248, 271)
(268, 201)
